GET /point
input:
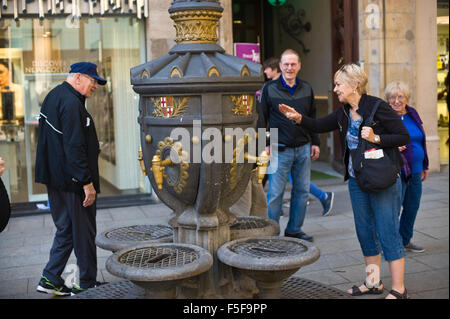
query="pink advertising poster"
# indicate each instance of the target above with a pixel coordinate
(248, 51)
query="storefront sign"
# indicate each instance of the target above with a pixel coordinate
(248, 51)
(47, 66)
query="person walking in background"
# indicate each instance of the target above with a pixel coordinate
(375, 214)
(271, 68)
(67, 163)
(325, 198)
(415, 158)
(294, 151)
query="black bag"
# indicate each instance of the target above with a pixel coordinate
(5, 208)
(373, 175)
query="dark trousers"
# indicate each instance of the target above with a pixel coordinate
(75, 229)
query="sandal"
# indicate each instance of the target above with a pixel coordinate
(375, 290)
(398, 295)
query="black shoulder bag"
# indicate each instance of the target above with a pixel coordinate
(5, 209)
(374, 169)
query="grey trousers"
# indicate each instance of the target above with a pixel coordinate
(75, 230)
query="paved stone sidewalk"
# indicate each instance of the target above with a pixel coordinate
(26, 242)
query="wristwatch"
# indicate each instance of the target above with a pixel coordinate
(376, 139)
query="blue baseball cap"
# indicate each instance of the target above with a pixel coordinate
(87, 68)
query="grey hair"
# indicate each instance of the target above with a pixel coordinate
(394, 87)
(71, 76)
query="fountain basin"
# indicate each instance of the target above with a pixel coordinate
(253, 226)
(115, 239)
(159, 268)
(268, 260)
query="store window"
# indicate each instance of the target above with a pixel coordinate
(35, 56)
(442, 79)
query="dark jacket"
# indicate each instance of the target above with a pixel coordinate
(67, 149)
(407, 153)
(386, 124)
(289, 134)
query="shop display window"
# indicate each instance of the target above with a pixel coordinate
(35, 56)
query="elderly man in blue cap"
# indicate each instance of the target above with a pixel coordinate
(67, 163)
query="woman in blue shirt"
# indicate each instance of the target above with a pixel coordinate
(415, 158)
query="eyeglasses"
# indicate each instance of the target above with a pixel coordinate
(93, 81)
(397, 97)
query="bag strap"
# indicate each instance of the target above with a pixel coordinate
(362, 142)
(369, 120)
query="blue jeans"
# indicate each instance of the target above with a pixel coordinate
(376, 220)
(297, 161)
(411, 195)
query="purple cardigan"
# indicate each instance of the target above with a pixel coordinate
(407, 154)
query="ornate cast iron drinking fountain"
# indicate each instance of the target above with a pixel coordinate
(190, 99)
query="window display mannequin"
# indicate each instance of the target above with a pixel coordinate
(6, 85)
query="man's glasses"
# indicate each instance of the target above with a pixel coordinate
(93, 81)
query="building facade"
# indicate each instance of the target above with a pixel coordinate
(391, 39)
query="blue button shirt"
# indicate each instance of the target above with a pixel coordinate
(291, 89)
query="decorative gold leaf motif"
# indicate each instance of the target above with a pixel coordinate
(175, 72)
(237, 153)
(245, 71)
(213, 71)
(168, 106)
(196, 26)
(243, 104)
(183, 176)
(144, 75)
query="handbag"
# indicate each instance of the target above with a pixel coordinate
(374, 169)
(5, 208)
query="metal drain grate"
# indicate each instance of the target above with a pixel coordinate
(272, 248)
(244, 223)
(293, 288)
(299, 288)
(140, 233)
(118, 290)
(158, 257)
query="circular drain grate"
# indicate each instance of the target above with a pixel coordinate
(292, 288)
(268, 248)
(158, 257)
(139, 233)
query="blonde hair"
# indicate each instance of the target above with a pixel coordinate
(352, 74)
(394, 87)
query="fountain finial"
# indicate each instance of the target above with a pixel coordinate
(196, 21)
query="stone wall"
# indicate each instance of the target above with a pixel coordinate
(398, 41)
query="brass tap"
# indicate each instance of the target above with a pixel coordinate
(141, 161)
(158, 167)
(262, 161)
